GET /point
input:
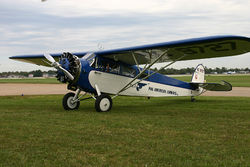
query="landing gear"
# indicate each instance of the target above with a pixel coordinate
(103, 103)
(69, 102)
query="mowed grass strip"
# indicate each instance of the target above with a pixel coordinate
(235, 80)
(213, 131)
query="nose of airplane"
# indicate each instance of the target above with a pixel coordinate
(72, 64)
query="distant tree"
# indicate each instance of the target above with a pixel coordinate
(37, 73)
(51, 72)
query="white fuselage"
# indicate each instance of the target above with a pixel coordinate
(112, 84)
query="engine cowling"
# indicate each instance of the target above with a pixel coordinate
(72, 64)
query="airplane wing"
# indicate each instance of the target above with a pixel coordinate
(39, 59)
(190, 49)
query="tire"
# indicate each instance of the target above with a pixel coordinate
(192, 99)
(67, 104)
(103, 103)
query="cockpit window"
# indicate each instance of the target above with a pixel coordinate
(114, 67)
(128, 71)
(90, 57)
(107, 66)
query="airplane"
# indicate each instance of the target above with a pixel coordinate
(106, 74)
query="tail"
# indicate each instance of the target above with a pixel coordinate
(199, 74)
(198, 82)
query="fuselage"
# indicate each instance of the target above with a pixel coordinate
(111, 76)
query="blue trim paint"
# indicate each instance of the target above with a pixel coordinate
(165, 80)
(83, 80)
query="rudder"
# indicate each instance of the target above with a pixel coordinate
(199, 74)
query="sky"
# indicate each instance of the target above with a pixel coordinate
(55, 26)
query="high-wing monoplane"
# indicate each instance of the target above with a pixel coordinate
(107, 74)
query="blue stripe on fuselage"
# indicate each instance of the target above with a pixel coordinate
(162, 79)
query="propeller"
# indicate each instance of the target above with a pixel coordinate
(58, 66)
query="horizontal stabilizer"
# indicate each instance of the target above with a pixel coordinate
(224, 86)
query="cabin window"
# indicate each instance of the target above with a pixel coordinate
(114, 68)
(128, 71)
(108, 66)
(111, 67)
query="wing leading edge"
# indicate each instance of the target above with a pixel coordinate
(190, 49)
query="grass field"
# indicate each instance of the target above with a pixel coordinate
(213, 131)
(235, 80)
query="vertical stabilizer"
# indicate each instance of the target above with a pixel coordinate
(199, 74)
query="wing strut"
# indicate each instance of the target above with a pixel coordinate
(146, 77)
(136, 62)
(141, 72)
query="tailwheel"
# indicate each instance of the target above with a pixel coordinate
(192, 99)
(103, 103)
(69, 103)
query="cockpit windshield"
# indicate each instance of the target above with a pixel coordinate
(90, 57)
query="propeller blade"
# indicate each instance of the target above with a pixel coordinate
(57, 65)
(66, 73)
(49, 58)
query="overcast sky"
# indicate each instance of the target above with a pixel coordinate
(55, 26)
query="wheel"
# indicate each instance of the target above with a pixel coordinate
(68, 102)
(192, 99)
(103, 103)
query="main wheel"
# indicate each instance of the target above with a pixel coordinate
(103, 103)
(68, 103)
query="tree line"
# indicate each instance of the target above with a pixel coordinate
(168, 71)
(36, 73)
(217, 70)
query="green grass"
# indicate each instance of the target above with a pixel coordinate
(31, 80)
(235, 80)
(213, 131)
